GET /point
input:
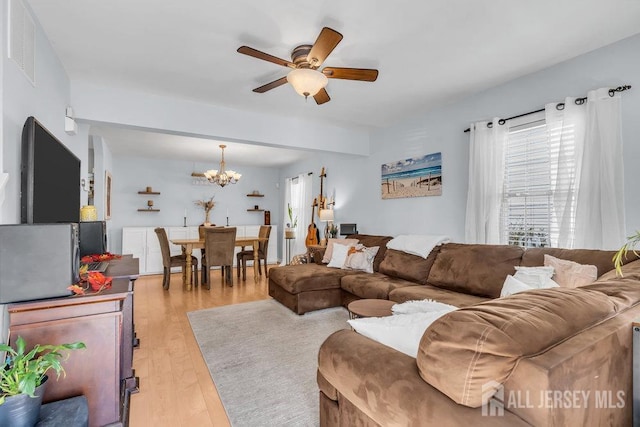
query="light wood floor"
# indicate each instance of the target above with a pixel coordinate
(175, 386)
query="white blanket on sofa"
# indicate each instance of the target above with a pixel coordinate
(415, 244)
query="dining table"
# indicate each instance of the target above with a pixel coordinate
(188, 245)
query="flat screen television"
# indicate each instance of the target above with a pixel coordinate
(50, 178)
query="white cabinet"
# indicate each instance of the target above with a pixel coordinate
(143, 243)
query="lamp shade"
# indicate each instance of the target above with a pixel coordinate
(326, 214)
(307, 82)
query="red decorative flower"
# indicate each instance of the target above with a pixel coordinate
(107, 256)
(98, 281)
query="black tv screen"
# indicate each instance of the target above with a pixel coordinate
(50, 178)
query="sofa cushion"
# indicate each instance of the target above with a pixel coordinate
(407, 266)
(474, 269)
(371, 241)
(468, 353)
(446, 296)
(623, 290)
(603, 260)
(374, 285)
(307, 277)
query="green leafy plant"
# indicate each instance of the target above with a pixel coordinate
(621, 255)
(23, 371)
(293, 221)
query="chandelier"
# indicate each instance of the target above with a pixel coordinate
(222, 177)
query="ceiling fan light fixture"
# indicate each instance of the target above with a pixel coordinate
(307, 82)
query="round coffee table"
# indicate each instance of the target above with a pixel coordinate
(370, 308)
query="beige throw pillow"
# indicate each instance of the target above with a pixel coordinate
(569, 274)
(329, 252)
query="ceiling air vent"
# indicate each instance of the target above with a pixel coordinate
(22, 39)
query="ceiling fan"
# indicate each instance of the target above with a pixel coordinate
(305, 77)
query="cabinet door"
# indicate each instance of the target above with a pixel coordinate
(272, 251)
(134, 241)
(154, 254)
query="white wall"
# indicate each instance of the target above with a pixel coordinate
(178, 192)
(46, 102)
(99, 104)
(357, 182)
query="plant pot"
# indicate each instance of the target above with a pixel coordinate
(22, 410)
(290, 233)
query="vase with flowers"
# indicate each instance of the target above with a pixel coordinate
(207, 205)
(290, 231)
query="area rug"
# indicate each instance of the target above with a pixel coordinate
(263, 360)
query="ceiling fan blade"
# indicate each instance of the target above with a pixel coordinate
(363, 74)
(321, 97)
(264, 56)
(274, 84)
(324, 45)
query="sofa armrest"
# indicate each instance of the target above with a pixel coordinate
(385, 385)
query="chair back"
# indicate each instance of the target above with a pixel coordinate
(265, 232)
(164, 246)
(219, 244)
(202, 228)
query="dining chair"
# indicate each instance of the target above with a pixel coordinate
(169, 261)
(219, 244)
(203, 261)
(244, 255)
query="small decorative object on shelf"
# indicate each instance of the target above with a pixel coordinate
(255, 193)
(148, 190)
(150, 204)
(207, 205)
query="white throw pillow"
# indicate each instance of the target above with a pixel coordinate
(361, 258)
(537, 277)
(402, 332)
(420, 306)
(339, 255)
(513, 286)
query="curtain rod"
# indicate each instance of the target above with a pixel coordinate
(559, 106)
(296, 177)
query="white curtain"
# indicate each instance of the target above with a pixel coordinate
(486, 173)
(298, 195)
(600, 199)
(565, 132)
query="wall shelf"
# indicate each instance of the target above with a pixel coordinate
(148, 192)
(255, 195)
(255, 210)
(148, 210)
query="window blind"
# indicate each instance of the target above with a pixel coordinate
(538, 177)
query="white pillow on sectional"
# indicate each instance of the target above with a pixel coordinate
(513, 286)
(420, 306)
(339, 255)
(538, 277)
(402, 332)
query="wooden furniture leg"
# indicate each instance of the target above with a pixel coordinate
(256, 261)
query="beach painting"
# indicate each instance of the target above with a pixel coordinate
(415, 177)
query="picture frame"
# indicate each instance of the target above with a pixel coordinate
(413, 177)
(107, 204)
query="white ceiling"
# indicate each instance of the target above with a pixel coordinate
(428, 52)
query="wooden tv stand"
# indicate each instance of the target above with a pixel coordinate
(103, 372)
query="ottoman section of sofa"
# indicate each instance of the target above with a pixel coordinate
(306, 287)
(445, 296)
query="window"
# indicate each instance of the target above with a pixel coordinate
(538, 199)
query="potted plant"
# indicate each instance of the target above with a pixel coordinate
(23, 379)
(290, 231)
(630, 245)
(207, 205)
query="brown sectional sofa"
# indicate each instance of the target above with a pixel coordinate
(536, 350)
